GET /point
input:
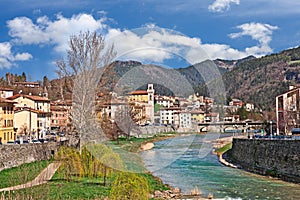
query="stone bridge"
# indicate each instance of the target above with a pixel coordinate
(231, 126)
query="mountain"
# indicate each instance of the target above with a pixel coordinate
(230, 64)
(257, 80)
(260, 80)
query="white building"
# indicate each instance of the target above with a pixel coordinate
(167, 115)
(249, 107)
(185, 119)
(6, 92)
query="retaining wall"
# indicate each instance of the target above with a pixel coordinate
(16, 154)
(278, 158)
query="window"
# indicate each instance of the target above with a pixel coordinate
(4, 136)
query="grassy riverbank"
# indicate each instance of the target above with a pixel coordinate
(21, 174)
(223, 149)
(82, 187)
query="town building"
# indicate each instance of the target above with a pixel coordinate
(6, 92)
(27, 84)
(61, 115)
(7, 133)
(287, 111)
(29, 105)
(144, 101)
(197, 116)
(165, 101)
(167, 115)
(236, 103)
(212, 117)
(249, 107)
(185, 119)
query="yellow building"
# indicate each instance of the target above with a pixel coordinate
(138, 96)
(197, 116)
(31, 111)
(7, 124)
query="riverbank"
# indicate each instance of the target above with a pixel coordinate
(173, 192)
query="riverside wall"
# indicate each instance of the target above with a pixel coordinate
(17, 154)
(277, 158)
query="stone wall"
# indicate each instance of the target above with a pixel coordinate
(17, 154)
(278, 158)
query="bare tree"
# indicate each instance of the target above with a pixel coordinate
(127, 118)
(87, 56)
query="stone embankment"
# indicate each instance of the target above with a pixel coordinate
(16, 154)
(219, 143)
(273, 157)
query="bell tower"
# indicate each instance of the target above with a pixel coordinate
(150, 92)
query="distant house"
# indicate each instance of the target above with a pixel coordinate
(231, 118)
(27, 84)
(211, 117)
(236, 103)
(165, 101)
(249, 107)
(197, 116)
(61, 114)
(6, 92)
(138, 96)
(167, 115)
(59, 117)
(288, 111)
(185, 119)
(6, 121)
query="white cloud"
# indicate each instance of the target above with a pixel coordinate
(152, 43)
(149, 43)
(257, 31)
(222, 5)
(56, 32)
(7, 58)
(23, 56)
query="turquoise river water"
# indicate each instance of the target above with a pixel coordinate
(187, 162)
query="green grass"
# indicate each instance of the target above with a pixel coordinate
(224, 148)
(21, 174)
(84, 188)
(78, 188)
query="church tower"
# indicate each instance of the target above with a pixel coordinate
(150, 92)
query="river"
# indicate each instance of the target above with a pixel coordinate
(187, 162)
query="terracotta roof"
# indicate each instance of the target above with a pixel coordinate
(27, 83)
(138, 92)
(32, 97)
(2, 100)
(6, 89)
(21, 109)
(57, 108)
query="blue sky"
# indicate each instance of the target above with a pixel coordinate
(34, 33)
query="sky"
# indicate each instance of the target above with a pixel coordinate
(34, 34)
